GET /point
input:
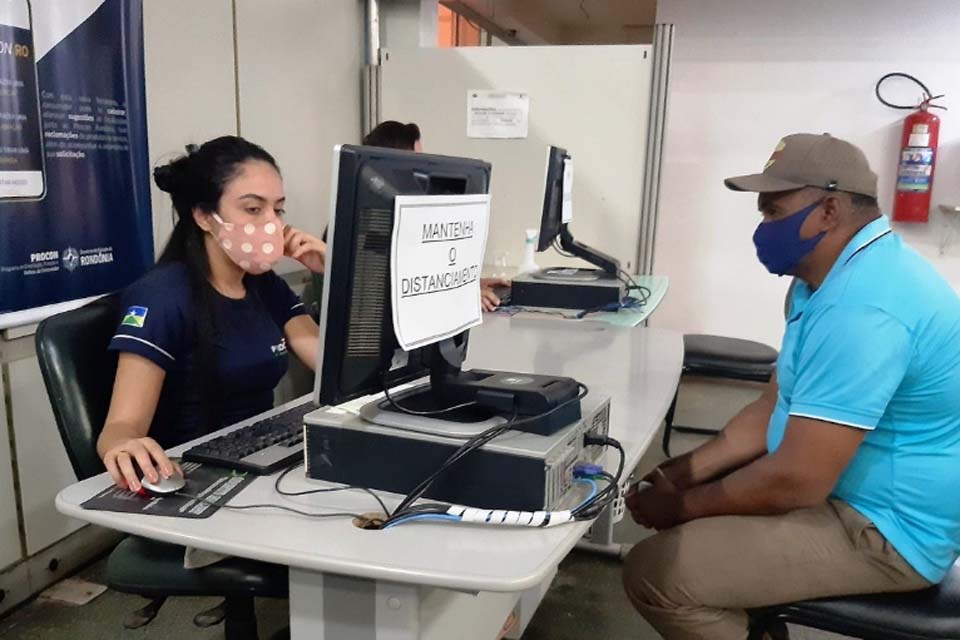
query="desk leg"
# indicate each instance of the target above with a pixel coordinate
(527, 605)
(333, 607)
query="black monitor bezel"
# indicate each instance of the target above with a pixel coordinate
(551, 218)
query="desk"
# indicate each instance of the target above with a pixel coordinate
(435, 581)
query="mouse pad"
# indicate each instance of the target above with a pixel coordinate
(214, 485)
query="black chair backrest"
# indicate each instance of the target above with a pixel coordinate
(78, 372)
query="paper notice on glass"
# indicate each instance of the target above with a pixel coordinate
(497, 114)
(567, 209)
(435, 262)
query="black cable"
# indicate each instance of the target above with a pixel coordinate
(604, 498)
(559, 249)
(609, 493)
(583, 313)
(413, 412)
(276, 487)
(241, 507)
(547, 312)
(475, 443)
(632, 285)
(430, 507)
(625, 278)
(471, 445)
(592, 505)
(607, 476)
(928, 96)
(611, 307)
(628, 282)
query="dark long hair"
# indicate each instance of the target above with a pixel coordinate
(393, 134)
(197, 181)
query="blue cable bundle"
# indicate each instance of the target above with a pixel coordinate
(441, 517)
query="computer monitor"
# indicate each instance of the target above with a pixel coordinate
(356, 328)
(359, 353)
(551, 220)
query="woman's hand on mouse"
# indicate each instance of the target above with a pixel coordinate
(148, 455)
(309, 250)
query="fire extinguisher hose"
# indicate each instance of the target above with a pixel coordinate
(927, 101)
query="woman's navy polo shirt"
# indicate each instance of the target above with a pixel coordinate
(158, 323)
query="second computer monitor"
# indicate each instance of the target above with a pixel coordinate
(553, 229)
(359, 353)
(551, 220)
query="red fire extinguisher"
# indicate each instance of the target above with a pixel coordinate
(917, 158)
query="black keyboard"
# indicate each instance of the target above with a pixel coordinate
(260, 448)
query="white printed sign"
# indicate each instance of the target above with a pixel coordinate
(567, 209)
(435, 261)
(497, 114)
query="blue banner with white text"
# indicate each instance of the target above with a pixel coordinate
(75, 217)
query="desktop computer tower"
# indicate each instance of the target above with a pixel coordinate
(516, 471)
(566, 289)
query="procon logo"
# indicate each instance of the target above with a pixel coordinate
(71, 258)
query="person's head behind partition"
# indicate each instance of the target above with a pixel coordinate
(391, 134)
(394, 135)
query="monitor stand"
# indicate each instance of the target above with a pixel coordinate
(542, 404)
(467, 422)
(571, 288)
(461, 423)
(606, 263)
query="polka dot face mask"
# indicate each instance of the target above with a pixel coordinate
(255, 248)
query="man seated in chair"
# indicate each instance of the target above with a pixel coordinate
(843, 477)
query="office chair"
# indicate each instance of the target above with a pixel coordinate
(719, 357)
(931, 614)
(78, 373)
(313, 296)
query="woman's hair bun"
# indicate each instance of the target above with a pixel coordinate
(163, 176)
(173, 176)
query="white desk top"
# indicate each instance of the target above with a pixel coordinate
(638, 368)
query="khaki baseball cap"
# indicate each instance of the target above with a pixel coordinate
(810, 160)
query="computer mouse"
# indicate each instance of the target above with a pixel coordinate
(504, 293)
(163, 486)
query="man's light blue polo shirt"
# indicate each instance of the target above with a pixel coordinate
(877, 347)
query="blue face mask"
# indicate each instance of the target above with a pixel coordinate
(779, 246)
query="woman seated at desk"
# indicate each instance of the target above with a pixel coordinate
(205, 334)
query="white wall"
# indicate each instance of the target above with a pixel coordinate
(9, 531)
(406, 24)
(300, 99)
(191, 93)
(608, 150)
(747, 72)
